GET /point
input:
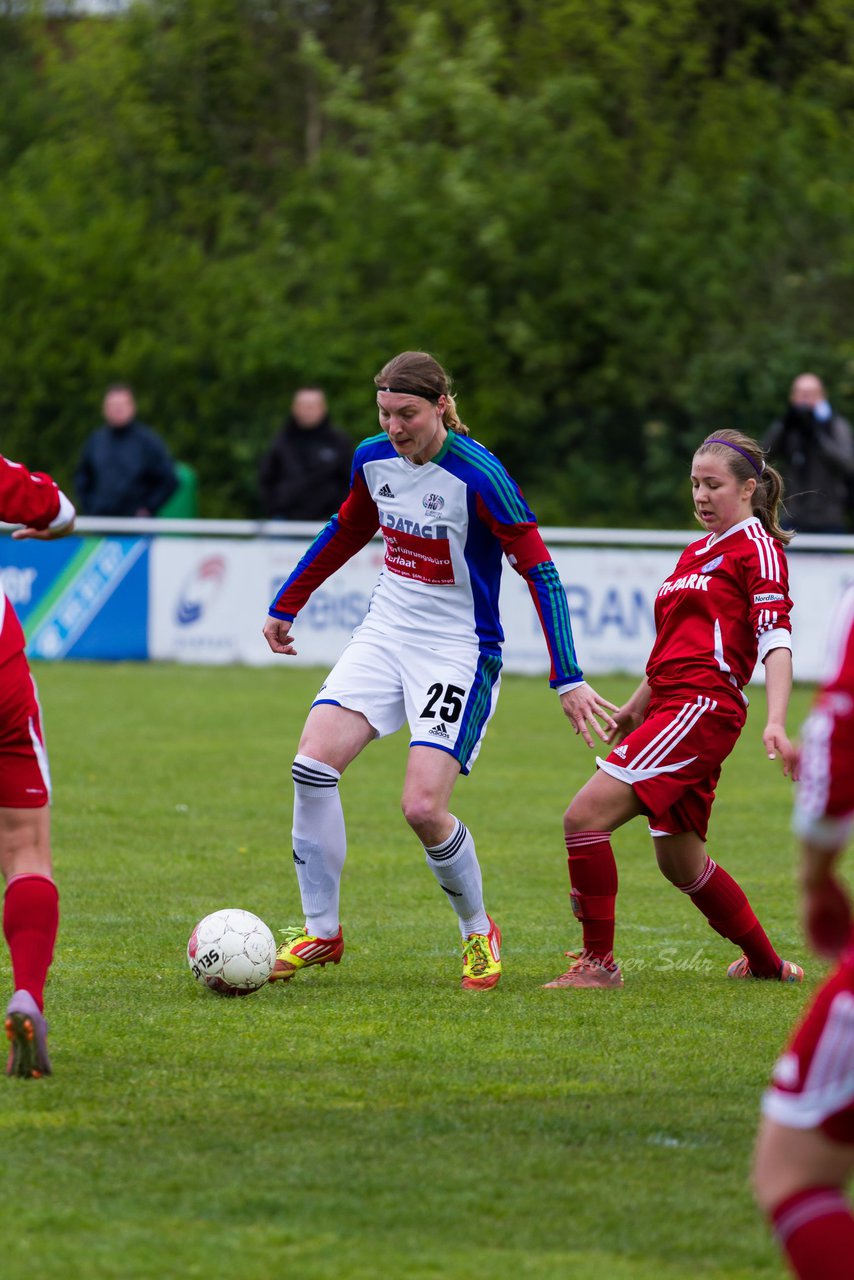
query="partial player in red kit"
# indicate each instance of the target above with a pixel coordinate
(805, 1151)
(725, 605)
(31, 903)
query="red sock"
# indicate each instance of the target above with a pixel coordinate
(30, 922)
(723, 903)
(593, 876)
(815, 1229)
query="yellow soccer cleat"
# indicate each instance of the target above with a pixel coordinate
(482, 959)
(300, 949)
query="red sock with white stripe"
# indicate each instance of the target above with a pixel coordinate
(815, 1229)
(30, 922)
(724, 904)
(593, 877)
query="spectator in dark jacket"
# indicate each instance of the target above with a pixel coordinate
(814, 449)
(125, 468)
(305, 473)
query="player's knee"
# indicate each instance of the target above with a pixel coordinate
(772, 1186)
(420, 809)
(579, 817)
(775, 1174)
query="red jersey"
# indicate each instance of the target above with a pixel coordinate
(33, 499)
(824, 810)
(725, 605)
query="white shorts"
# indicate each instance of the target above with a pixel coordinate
(447, 695)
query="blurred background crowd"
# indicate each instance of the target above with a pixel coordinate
(620, 226)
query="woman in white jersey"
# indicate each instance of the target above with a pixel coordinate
(428, 652)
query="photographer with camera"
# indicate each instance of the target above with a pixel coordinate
(814, 449)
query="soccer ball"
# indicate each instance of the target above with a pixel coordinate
(231, 952)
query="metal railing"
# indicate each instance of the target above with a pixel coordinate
(553, 535)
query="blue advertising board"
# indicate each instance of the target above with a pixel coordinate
(79, 597)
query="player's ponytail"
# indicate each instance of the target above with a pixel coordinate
(746, 460)
(451, 418)
(417, 373)
(768, 504)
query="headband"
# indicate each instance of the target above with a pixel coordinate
(743, 453)
(407, 391)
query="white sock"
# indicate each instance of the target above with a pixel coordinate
(454, 864)
(320, 843)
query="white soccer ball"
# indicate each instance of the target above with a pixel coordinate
(231, 952)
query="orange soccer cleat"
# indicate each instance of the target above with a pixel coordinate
(586, 971)
(789, 971)
(300, 949)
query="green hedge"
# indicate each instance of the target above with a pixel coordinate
(619, 224)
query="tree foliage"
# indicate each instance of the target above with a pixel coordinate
(619, 225)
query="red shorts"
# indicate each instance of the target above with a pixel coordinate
(24, 772)
(673, 760)
(813, 1081)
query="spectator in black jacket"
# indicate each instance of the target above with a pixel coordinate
(125, 468)
(305, 474)
(814, 448)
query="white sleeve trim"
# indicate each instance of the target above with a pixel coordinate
(570, 684)
(67, 513)
(779, 638)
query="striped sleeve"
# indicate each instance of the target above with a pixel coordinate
(345, 534)
(553, 610)
(767, 586)
(528, 554)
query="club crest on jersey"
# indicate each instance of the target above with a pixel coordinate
(433, 502)
(713, 564)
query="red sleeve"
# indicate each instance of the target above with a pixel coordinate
(345, 534)
(767, 585)
(27, 497)
(521, 543)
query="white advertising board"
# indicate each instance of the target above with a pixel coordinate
(209, 598)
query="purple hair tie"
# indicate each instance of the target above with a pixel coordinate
(743, 453)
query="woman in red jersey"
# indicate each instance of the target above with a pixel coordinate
(726, 603)
(31, 902)
(805, 1151)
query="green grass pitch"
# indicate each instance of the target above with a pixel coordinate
(373, 1120)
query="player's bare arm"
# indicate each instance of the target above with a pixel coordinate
(45, 535)
(778, 686)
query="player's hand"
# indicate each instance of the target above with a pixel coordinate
(776, 743)
(277, 633)
(44, 535)
(827, 917)
(584, 708)
(625, 721)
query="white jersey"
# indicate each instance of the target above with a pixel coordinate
(445, 524)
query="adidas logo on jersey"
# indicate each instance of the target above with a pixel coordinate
(621, 751)
(439, 731)
(385, 492)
